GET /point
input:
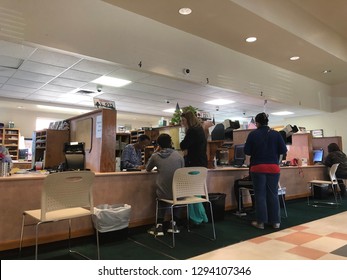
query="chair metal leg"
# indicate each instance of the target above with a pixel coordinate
(97, 244)
(21, 234)
(37, 239)
(284, 206)
(281, 193)
(335, 203)
(173, 240)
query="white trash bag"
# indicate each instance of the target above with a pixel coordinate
(111, 217)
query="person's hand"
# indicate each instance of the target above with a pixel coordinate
(185, 152)
(141, 167)
(157, 149)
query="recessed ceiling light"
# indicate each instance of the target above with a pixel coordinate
(185, 11)
(282, 113)
(295, 58)
(219, 102)
(110, 81)
(251, 39)
(326, 71)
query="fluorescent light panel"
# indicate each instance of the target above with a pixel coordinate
(171, 110)
(219, 102)
(282, 113)
(110, 81)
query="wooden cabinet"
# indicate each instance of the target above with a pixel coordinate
(48, 146)
(98, 130)
(9, 137)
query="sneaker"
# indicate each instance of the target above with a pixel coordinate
(258, 225)
(156, 230)
(240, 214)
(175, 228)
(276, 226)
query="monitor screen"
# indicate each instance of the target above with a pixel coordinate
(239, 154)
(318, 155)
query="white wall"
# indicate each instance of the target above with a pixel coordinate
(333, 124)
(26, 120)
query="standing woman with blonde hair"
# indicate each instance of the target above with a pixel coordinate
(194, 146)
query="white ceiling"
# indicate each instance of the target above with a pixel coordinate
(31, 74)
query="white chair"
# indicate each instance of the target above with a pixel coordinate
(65, 196)
(188, 187)
(332, 184)
(282, 192)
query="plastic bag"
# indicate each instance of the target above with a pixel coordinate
(108, 217)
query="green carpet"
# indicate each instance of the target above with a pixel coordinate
(137, 244)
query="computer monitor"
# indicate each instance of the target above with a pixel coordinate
(74, 155)
(23, 154)
(239, 154)
(318, 156)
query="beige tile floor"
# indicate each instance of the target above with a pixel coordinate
(324, 239)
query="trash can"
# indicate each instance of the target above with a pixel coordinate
(112, 219)
(321, 191)
(218, 206)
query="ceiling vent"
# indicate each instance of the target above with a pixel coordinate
(85, 92)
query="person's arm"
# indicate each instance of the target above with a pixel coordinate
(151, 161)
(188, 140)
(328, 161)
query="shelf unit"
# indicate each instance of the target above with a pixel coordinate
(48, 146)
(122, 139)
(9, 138)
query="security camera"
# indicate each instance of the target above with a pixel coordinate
(217, 108)
(99, 88)
(167, 101)
(186, 71)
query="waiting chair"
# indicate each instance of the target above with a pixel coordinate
(65, 196)
(188, 187)
(332, 184)
(282, 192)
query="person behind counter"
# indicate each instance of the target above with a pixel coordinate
(337, 156)
(167, 160)
(131, 155)
(5, 157)
(266, 148)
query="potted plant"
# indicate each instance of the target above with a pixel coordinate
(176, 118)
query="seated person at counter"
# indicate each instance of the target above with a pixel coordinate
(131, 155)
(166, 160)
(5, 156)
(337, 156)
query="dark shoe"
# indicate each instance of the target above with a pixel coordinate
(258, 225)
(174, 226)
(156, 230)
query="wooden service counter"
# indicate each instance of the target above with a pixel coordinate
(23, 192)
